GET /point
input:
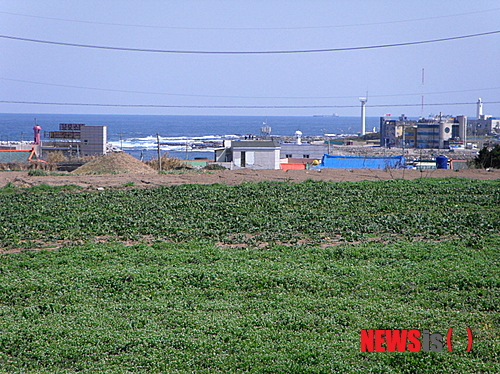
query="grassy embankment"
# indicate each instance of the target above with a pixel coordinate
(268, 277)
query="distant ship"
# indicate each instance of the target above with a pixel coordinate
(326, 115)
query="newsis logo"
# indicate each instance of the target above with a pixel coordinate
(408, 340)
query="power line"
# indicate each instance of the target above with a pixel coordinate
(130, 91)
(249, 52)
(235, 106)
(240, 97)
(251, 28)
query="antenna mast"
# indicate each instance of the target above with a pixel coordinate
(423, 83)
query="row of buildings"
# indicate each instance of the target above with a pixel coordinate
(269, 154)
(71, 138)
(439, 132)
(76, 138)
(442, 132)
(436, 132)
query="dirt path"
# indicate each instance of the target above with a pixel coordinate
(22, 179)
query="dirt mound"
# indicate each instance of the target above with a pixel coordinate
(114, 163)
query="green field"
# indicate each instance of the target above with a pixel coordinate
(259, 277)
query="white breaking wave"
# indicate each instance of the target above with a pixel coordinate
(179, 143)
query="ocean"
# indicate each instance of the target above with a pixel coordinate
(183, 135)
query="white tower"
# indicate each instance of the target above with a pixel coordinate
(462, 128)
(363, 101)
(479, 113)
(298, 135)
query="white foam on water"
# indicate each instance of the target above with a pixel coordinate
(177, 143)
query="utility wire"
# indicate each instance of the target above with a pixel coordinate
(241, 97)
(252, 28)
(236, 106)
(296, 51)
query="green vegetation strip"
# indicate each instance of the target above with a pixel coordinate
(187, 305)
(270, 211)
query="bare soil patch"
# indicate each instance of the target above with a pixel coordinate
(40, 245)
(233, 177)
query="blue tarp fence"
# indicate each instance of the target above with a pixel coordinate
(358, 162)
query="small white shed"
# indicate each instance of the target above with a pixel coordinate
(252, 154)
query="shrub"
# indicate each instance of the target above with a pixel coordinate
(57, 156)
(37, 173)
(488, 158)
(167, 163)
(214, 167)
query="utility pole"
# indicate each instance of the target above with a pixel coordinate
(423, 83)
(159, 152)
(404, 140)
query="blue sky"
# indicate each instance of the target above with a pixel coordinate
(456, 71)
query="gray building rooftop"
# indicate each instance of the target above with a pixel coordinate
(254, 144)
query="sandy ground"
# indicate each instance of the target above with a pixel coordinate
(22, 179)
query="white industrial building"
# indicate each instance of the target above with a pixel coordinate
(300, 149)
(303, 150)
(77, 139)
(437, 132)
(484, 124)
(93, 140)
